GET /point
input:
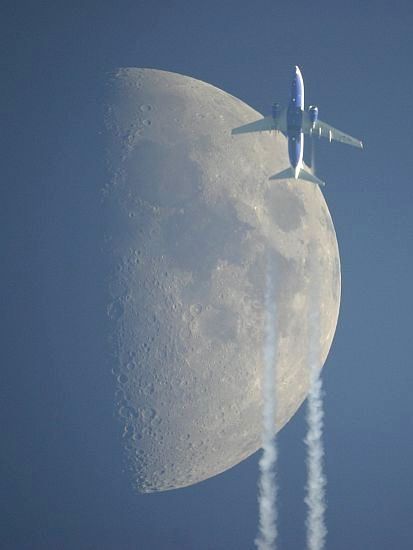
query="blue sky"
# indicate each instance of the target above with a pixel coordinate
(62, 481)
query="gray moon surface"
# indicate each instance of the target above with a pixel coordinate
(192, 219)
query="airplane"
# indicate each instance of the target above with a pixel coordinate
(294, 121)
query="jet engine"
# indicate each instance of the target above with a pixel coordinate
(313, 112)
(275, 110)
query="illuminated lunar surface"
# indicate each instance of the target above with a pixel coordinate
(193, 218)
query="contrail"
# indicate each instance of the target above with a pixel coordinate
(312, 141)
(267, 498)
(316, 481)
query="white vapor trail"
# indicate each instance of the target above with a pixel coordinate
(267, 498)
(312, 141)
(316, 480)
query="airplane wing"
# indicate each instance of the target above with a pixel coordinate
(266, 124)
(321, 129)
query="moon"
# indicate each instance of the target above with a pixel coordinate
(192, 217)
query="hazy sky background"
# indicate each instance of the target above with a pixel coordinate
(62, 484)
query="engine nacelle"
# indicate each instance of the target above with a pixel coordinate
(275, 110)
(313, 112)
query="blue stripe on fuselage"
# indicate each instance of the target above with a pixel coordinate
(295, 146)
(295, 119)
(297, 89)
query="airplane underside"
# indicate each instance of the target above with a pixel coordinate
(294, 122)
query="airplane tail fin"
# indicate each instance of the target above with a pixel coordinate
(305, 174)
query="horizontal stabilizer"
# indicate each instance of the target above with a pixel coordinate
(284, 175)
(309, 176)
(303, 175)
